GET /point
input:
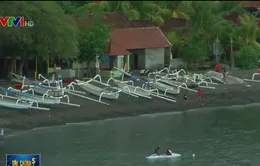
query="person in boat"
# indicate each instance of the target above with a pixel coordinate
(168, 152)
(157, 150)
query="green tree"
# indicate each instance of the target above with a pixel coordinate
(247, 57)
(177, 8)
(195, 50)
(229, 39)
(53, 34)
(93, 39)
(249, 29)
(134, 10)
(68, 6)
(208, 19)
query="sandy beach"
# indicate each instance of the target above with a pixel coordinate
(223, 95)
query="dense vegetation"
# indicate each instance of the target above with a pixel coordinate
(56, 34)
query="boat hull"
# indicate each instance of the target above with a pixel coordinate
(132, 89)
(189, 84)
(97, 91)
(15, 80)
(54, 92)
(13, 105)
(40, 100)
(163, 87)
(155, 156)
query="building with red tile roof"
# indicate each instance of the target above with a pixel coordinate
(139, 38)
(172, 23)
(250, 6)
(114, 19)
(145, 47)
(148, 46)
(254, 4)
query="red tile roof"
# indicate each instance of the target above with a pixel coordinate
(255, 4)
(114, 19)
(116, 49)
(234, 17)
(136, 38)
(166, 27)
(117, 20)
(142, 23)
(173, 23)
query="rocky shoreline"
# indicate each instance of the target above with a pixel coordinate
(125, 106)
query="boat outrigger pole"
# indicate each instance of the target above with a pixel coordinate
(133, 77)
(154, 92)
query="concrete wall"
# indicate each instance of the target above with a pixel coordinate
(154, 58)
(140, 53)
(177, 63)
(167, 56)
(81, 68)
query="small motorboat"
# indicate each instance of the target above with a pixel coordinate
(163, 156)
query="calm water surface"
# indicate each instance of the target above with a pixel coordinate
(220, 137)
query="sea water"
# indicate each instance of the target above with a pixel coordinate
(217, 137)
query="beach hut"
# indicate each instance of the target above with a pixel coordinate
(136, 49)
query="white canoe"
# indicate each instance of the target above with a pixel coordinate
(53, 91)
(132, 89)
(169, 89)
(163, 156)
(13, 105)
(40, 100)
(95, 90)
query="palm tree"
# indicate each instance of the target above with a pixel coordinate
(208, 19)
(249, 30)
(134, 10)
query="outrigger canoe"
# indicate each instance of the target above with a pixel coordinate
(163, 156)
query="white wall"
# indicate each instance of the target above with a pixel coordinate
(154, 58)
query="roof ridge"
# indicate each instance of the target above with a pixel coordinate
(165, 36)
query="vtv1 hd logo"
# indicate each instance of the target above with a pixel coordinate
(15, 21)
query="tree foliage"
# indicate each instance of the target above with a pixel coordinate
(247, 57)
(53, 33)
(195, 50)
(93, 39)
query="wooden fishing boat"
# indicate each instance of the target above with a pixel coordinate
(50, 90)
(45, 100)
(154, 92)
(13, 102)
(136, 90)
(164, 87)
(179, 83)
(15, 105)
(107, 92)
(18, 79)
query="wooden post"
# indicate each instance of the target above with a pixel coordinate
(54, 67)
(15, 65)
(128, 63)
(36, 68)
(48, 65)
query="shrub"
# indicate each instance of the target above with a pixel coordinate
(195, 50)
(247, 57)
